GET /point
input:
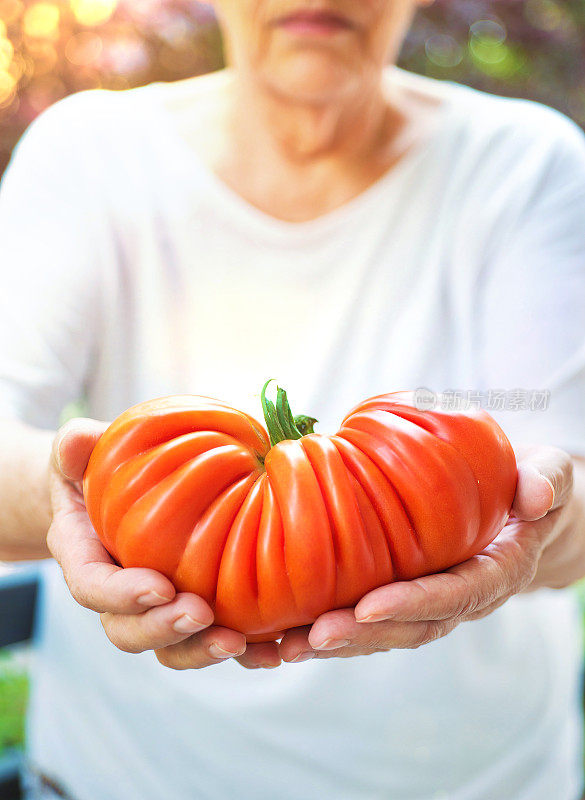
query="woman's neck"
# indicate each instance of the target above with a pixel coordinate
(297, 161)
(299, 132)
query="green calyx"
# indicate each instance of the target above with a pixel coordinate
(279, 419)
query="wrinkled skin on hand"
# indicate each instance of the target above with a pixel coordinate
(523, 557)
(140, 609)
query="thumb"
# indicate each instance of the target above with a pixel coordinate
(545, 481)
(73, 446)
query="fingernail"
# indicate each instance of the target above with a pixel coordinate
(57, 453)
(215, 651)
(332, 644)
(302, 657)
(153, 599)
(374, 618)
(552, 489)
(268, 666)
(187, 624)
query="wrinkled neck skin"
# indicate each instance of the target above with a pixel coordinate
(346, 127)
(296, 160)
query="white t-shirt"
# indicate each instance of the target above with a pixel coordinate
(130, 271)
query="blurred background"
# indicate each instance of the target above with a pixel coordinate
(51, 48)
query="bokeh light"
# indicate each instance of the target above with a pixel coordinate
(443, 50)
(93, 12)
(521, 48)
(7, 86)
(41, 21)
(10, 11)
(6, 53)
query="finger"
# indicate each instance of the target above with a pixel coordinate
(486, 611)
(336, 629)
(73, 445)
(437, 596)
(504, 568)
(158, 627)
(326, 635)
(545, 482)
(294, 645)
(336, 634)
(211, 646)
(93, 578)
(260, 655)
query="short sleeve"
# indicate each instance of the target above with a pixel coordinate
(48, 268)
(531, 342)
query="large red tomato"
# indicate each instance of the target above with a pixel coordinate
(273, 533)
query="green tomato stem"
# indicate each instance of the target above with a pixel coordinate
(279, 420)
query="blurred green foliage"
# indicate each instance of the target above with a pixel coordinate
(522, 48)
(13, 700)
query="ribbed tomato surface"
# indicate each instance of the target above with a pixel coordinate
(274, 536)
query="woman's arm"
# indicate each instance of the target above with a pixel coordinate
(25, 512)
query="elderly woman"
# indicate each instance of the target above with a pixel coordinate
(311, 212)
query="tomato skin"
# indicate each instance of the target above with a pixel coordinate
(272, 537)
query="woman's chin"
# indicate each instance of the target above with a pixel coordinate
(312, 78)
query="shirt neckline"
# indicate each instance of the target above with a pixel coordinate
(255, 220)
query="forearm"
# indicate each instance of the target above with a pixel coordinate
(25, 513)
(563, 561)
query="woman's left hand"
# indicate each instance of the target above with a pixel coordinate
(543, 544)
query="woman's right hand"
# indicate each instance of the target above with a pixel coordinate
(139, 608)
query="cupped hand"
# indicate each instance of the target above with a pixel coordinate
(528, 553)
(139, 608)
